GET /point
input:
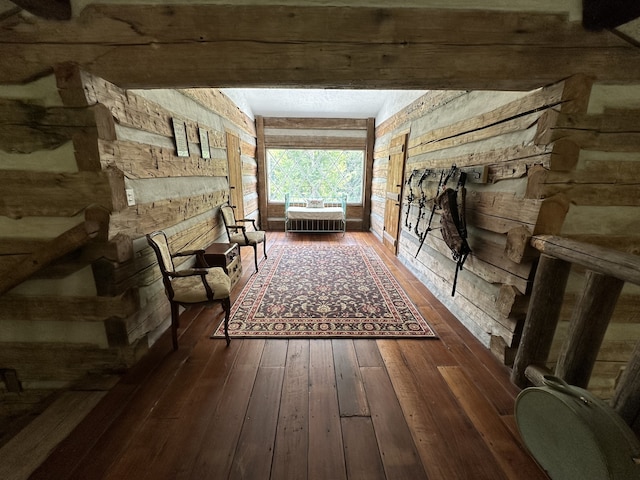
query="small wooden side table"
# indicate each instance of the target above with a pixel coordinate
(227, 256)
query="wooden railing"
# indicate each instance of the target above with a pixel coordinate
(606, 273)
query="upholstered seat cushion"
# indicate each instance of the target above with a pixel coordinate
(191, 290)
(254, 238)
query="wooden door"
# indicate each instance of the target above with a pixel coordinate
(236, 195)
(393, 196)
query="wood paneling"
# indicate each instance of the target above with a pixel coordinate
(430, 101)
(315, 123)
(65, 309)
(302, 141)
(140, 160)
(144, 218)
(219, 103)
(43, 194)
(27, 127)
(513, 116)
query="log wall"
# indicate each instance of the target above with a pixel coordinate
(558, 160)
(496, 131)
(604, 194)
(78, 151)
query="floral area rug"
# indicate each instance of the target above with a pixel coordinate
(326, 291)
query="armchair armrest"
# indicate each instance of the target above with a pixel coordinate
(188, 272)
(237, 227)
(199, 254)
(253, 222)
(241, 228)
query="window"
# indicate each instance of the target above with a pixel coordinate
(326, 174)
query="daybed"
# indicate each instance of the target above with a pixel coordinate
(315, 215)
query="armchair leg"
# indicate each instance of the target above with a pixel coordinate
(255, 254)
(175, 317)
(226, 304)
(264, 246)
(255, 251)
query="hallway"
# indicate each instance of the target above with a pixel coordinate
(298, 409)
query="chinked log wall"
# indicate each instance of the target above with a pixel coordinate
(536, 185)
(97, 308)
(315, 133)
(604, 193)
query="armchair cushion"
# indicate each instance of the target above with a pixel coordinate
(189, 289)
(253, 237)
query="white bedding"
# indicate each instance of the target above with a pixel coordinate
(306, 213)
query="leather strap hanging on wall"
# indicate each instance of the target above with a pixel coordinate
(453, 224)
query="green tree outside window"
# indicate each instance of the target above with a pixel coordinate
(326, 174)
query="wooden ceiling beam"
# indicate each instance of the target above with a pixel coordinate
(181, 46)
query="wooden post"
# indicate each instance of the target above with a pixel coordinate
(261, 160)
(368, 173)
(587, 328)
(542, 316)
(626, 399)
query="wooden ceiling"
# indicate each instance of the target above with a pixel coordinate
(146, 46)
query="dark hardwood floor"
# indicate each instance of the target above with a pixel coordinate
(304, 409)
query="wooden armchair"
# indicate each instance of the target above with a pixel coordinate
(239, 234)
(194, 286)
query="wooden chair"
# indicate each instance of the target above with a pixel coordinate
(193, 286)
(239, 234)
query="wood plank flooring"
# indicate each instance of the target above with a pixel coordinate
(304, 409)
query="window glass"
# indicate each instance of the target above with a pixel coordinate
(326, 174)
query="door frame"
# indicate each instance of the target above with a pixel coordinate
(397, 158)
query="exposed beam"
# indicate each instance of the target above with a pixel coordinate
(155, 46)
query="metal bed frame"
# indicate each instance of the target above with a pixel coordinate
(332, 218)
